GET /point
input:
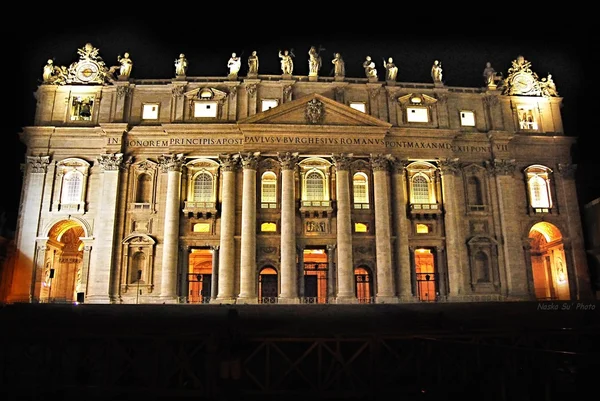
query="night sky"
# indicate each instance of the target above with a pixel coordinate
(153, 47)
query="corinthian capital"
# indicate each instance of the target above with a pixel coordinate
(38, 164)
(250, 160)
(288, 160)
(502, 166)
(228, 162)
(171, 162)
(110, 161)
(342, 160)
(379, 162)
(399, 166)
(448, 166)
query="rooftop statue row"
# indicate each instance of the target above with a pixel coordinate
(91, 69)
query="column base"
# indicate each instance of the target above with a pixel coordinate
(339, 78)
(223, 300)
(288, 300)
(97, 299)
(346, 300)
(247, 300)
(386, 299)
(169, 299)
(313, 78)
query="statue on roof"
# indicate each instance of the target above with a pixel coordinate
(521, 80)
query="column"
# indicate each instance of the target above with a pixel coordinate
(331, 272)
(575, 253)
(345, 268)
(101, 270)
(215, 272)
(184, 293)
(27, 228)
(248, 288)
(172, 165)
(511, 243)
(289, 276)
(385, 279)
(402, 229)
(85, 262)
(454, 240)
(227, 242)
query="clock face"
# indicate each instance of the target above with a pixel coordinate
(87, 72)
(522, 83)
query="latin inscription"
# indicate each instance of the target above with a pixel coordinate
(318, 141)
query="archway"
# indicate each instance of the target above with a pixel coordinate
(548, 263)
(61, 276)
(267, 285)
(363, 287)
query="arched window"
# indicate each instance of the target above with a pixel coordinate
(72, 185)
(360, 186)
(203, 187)
(268, 189)
(420, 189)
(314, 186)
(144, 188)
(538, 182)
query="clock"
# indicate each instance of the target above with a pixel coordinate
(522, 83)
(87, 71)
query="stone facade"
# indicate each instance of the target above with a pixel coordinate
(349, 190)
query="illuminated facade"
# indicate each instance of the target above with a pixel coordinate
(295, 189)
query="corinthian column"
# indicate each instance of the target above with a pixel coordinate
(454, 239)
(100, 274)
(289, 274)
(27, 229)
(227, 243)
(402, 230)
(171, 164)
(385, 278)
(248, 287)
(345, 268)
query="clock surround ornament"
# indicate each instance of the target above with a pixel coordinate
(521, 80)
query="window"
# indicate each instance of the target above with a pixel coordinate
(269, 104)
(314, 186)
(150, 111)
(201, 228)
(71, 192)
(417, 114)
(422, 229)
(361, 228)
(81, 108)
(420, 189)
(360, 189)
(268, 227)
(422, 179)
(268, 194)
(538, 184)
(203, 187)
(205, 109)
(360, 106)
(467, 118)
(527, 120)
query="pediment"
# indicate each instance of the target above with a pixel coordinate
(315, 110)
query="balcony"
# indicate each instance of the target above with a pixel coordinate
(200, 209)
(425, 210)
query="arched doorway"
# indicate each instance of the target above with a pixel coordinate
(61, 276)
(548, 263)
(363, 287)
(199, 276)
(267, 285)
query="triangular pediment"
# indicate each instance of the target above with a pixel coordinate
(315, 110)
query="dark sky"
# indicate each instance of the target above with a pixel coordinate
(208, 44)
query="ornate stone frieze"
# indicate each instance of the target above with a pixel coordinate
(110, 161)
(123, 91)
(315, 112)
(567, 170)
(501, 166)
(449, 166)
(342, 161)
(233, 92)
(288, 160)
(251, 89)
(38, 164)
(287, 92)
(250, 160)
(374, 92)
(379, 162)
(177, 91)
(171, 162)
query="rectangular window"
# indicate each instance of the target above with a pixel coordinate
(269, 104)
(527, 120)
(360, 106)
(205, 109)
(150, 111)
(467, 118)
(81, 108)
(417, 115)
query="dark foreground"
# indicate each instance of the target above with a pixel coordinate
(484, 351)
